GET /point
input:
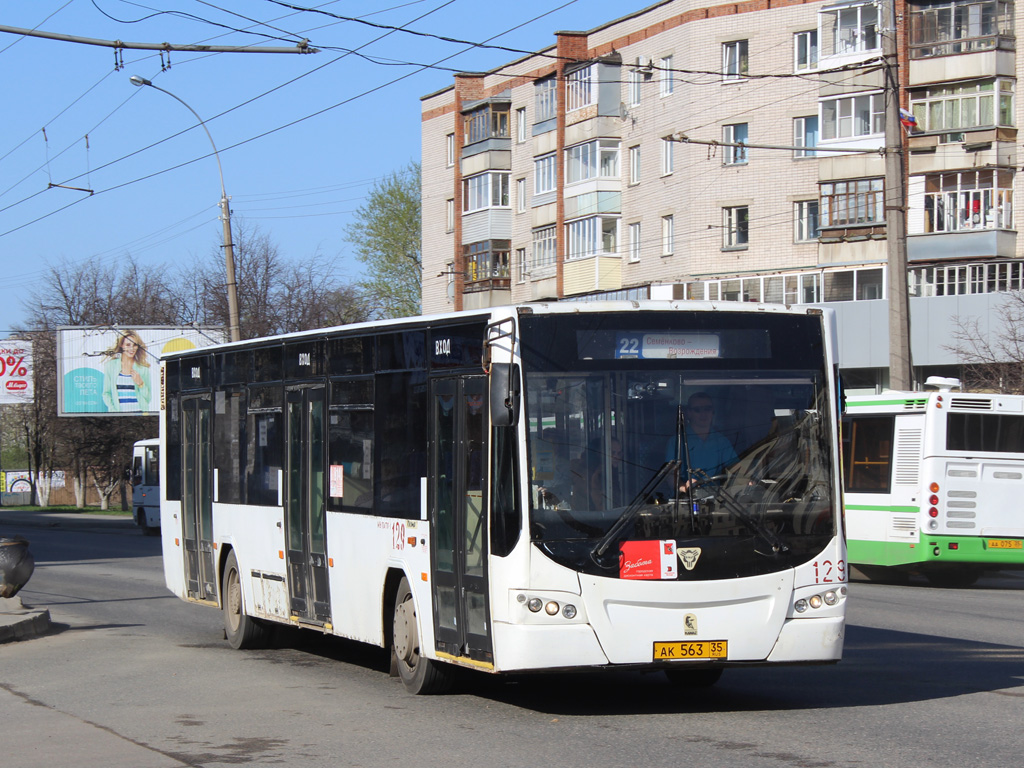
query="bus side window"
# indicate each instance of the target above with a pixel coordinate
(867, 453)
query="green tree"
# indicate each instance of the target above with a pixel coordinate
(386, 237)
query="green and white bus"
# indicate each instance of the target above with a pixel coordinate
(501, 489)
(934, 483)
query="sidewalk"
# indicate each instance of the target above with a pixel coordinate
(16, 621)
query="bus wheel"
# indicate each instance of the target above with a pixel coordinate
(694, 678)
(419, 675)
(240, 630)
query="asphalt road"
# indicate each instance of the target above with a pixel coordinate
(131, 676)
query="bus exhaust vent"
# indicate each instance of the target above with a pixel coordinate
(908, 457)
(915, 404)
(965, 404)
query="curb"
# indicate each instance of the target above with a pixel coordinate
(20, 623)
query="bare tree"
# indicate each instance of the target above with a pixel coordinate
(994, 362)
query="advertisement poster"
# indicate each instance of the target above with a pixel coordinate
(116, 371)
(648, 560)
(16, 372)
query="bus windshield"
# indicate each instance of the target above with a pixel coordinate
(712, 432)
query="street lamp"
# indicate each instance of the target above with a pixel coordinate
(225, 217)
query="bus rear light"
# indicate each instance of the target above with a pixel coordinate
(953, 545)
(933, 499)
(934, 487)
(933, 512)
(933, 525)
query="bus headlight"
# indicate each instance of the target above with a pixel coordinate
(815, 601)
(551, 608)
(831, 598)
(800, 605)
(569, 611)
(535, 604)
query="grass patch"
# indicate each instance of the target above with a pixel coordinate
(69, 508)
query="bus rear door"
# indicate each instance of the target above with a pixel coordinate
(197, 499)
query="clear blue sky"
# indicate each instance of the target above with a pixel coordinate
(156, 196)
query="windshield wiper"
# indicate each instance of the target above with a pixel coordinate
(631, 510)
(733, 505)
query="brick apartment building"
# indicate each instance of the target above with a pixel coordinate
(606, 166)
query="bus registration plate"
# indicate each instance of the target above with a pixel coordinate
(694, 649)
(1006, 543)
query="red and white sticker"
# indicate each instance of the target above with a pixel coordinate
(648, 560)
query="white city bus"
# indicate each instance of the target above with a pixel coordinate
(145, 479)
(934, 483)
(494, 489)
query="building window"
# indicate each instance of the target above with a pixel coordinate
(735, 227)
(852, 29)
(966, 278)
(489, 122)
(545, 99)
(734, 134)
(449, 149)
(633, 87)
(545, 247)
(854, 285)
(805, 50)
(522, 266)
(806, 219)
(734, 60)
(580, 88)
(486, 260)
(521, 129)
(544, 174)
(956, 106)
(968, 200)
(849, 203)
(592, 236)
(850, 116)
(667, 156)
(634, 242)
(634, 165)
(805, 134)
(521, 195)
(449, 215)
(668, 235)
(485, 190)
(668, 80)
(592, 160)
(965, 26)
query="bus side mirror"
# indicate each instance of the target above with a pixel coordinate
(504, 394)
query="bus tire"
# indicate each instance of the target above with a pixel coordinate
(420, 676)
(694, 678)
(240, 630)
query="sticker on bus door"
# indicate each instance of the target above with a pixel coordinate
(648, 560)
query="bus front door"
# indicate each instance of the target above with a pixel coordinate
(459, 518)
(197, 499)
(305, 507)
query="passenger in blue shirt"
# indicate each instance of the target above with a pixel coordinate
(710, 451)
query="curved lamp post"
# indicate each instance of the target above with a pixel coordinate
(225, 217)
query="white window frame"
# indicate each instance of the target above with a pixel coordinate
(449, 215)
(545, 247)
(668, 235)
(806, 221)
(667, 157)
(851, 29)
(635, 234)
(634, 164)
(854, 116)
(956, 201)
(805, 51)
(523, 266)
(581, 88)
(545, 174)
(591, 236)
(521, 195)
(449, 149)
(736, 227)
(522, 130)
(950, 110)
(545, 100)
(735, 60)
(800, 136)
(735, 133)
(597, 159)
(667, 77)
(633, 87)
(486, 190)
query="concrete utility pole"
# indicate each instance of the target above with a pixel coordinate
(901, 371)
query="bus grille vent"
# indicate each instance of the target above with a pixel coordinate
(965, 404)
(959, 524)
(908, 456)
(918, 404)
(904, 525)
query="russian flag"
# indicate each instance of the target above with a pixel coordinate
(907, 120)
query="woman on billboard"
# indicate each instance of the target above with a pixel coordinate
(126, 374)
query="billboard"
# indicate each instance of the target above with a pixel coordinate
(116, 371)
(16, 372)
